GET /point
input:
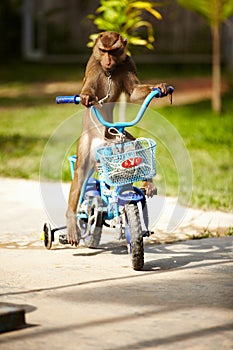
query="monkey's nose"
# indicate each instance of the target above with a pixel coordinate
(108, 60)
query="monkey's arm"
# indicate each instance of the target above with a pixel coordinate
(140, 91)
(89, 88)
(133, 86)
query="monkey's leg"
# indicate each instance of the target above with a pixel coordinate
(71, 219)
(83, 166)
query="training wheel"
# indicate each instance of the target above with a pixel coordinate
(48, 236)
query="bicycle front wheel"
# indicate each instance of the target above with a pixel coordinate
(135, 237)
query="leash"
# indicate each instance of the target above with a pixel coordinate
(109, 76)
(101, 102)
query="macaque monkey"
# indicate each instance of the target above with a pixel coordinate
(109, 72)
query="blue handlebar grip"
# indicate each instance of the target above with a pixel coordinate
(68, 99)
(170, 89)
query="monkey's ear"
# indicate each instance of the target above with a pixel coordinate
(125, 41)
(93, 38)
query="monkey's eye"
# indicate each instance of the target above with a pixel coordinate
(114, 51)
(110, 52)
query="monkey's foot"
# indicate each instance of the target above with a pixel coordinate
(73, 235)
(149, 188)
(73, 238)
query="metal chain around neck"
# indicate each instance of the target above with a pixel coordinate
(109, 76)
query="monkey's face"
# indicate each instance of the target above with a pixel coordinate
(110, 50)
(110, 58)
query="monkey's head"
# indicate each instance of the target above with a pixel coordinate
(110, 50)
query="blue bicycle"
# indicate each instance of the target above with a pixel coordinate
(110, 198)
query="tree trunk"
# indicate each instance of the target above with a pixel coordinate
(216, 73)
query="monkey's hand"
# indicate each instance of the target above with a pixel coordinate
(88, 100)
(148, 188)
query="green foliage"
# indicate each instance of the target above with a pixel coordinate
(125, 17)
(214, 11)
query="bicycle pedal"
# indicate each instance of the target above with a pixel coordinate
(147, 233)
(63, 239)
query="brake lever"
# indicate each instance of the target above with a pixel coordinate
(170, 92)
(170, 97)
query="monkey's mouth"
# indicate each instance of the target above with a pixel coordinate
(109, 69)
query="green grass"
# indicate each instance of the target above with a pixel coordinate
(33, 72)
(24, 134)
(208, 139)
(28, 120)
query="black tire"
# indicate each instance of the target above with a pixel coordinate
(91, 229)
(136, 237)
(48, 236)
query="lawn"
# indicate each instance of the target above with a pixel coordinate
(30, 118)
(208, 139)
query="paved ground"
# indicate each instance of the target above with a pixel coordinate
(92, 299)
(23, 212)
(85, 299)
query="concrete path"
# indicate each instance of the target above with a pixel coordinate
(92, 299)
(24, 209)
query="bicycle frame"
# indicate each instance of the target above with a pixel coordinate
(112, 196)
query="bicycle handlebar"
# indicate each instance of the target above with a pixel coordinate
(156, 92)
(68, 99)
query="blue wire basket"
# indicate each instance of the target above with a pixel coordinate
(128, 162)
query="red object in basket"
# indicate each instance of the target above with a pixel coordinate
(131, 162)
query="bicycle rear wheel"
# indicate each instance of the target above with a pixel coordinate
(135, 236)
